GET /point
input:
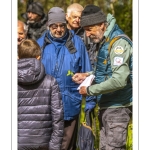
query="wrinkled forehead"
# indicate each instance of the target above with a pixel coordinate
(75, 13)
(21, 27)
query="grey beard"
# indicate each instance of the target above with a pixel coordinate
(30, 22)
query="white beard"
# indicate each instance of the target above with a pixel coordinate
(28, 22)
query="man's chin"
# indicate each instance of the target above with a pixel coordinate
(58, 36)
(30, 21)
(95, 40)
(76, 26)
(19, 41)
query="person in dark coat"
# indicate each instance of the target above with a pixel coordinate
(35, 19)
(40, 109)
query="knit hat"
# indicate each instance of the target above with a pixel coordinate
(92, 15)
(36, 7)
(55, 15)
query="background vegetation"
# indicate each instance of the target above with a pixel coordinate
(121, 9)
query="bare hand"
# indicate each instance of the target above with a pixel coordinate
(83, 90)
(79, 77)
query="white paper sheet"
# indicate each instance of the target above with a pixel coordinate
(87, 82)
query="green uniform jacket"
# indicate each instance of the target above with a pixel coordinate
(120, 54)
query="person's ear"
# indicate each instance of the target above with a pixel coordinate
(102, 26)
(38, 57)
(66, 16)
(18, 57)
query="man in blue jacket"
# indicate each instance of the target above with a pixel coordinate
(63, 55)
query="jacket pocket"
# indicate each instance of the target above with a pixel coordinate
(75, 65)
(116, 131)
(72, 103)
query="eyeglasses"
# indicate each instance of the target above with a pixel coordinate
(55, 26)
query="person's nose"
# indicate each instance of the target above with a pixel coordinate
(78, 19)
(29, 14)
(88, 33)
(19, 36)
(58, 28)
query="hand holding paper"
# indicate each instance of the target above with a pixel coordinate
(87, 82)
(79, 77)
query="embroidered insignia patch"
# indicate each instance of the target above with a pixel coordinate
(105, 62)
(118, 61)
(118, 50)
(70, 73)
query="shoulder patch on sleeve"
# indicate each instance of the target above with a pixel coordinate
(118, 61)
(118, 50)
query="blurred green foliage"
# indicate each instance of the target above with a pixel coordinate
(129, 143)
(121, 9)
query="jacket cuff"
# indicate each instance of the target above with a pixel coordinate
(87, 91)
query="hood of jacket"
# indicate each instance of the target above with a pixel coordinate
(111, 20)
(30, 71)
(42, 22)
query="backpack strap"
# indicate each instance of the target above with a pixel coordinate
(69, 44)
(118, 37)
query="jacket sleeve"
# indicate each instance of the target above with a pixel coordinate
(86, 67)
(57, 117)
(119, 56)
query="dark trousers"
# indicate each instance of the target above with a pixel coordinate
(113, 127)
(70, 134)
(33, 147)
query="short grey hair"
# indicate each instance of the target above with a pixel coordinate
(74, 7)
(25, 27)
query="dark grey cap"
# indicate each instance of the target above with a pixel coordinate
(92, 15)
(36, 7)
(55, 15)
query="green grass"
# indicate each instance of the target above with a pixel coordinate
(129, 143)
(95, 127)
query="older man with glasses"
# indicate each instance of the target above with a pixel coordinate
(63, 55)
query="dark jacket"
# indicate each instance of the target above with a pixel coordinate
(62, 62)
(40, 110)
(90, 46)
(121, 91)
(36, 30)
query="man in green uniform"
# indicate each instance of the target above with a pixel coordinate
(113, 77)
